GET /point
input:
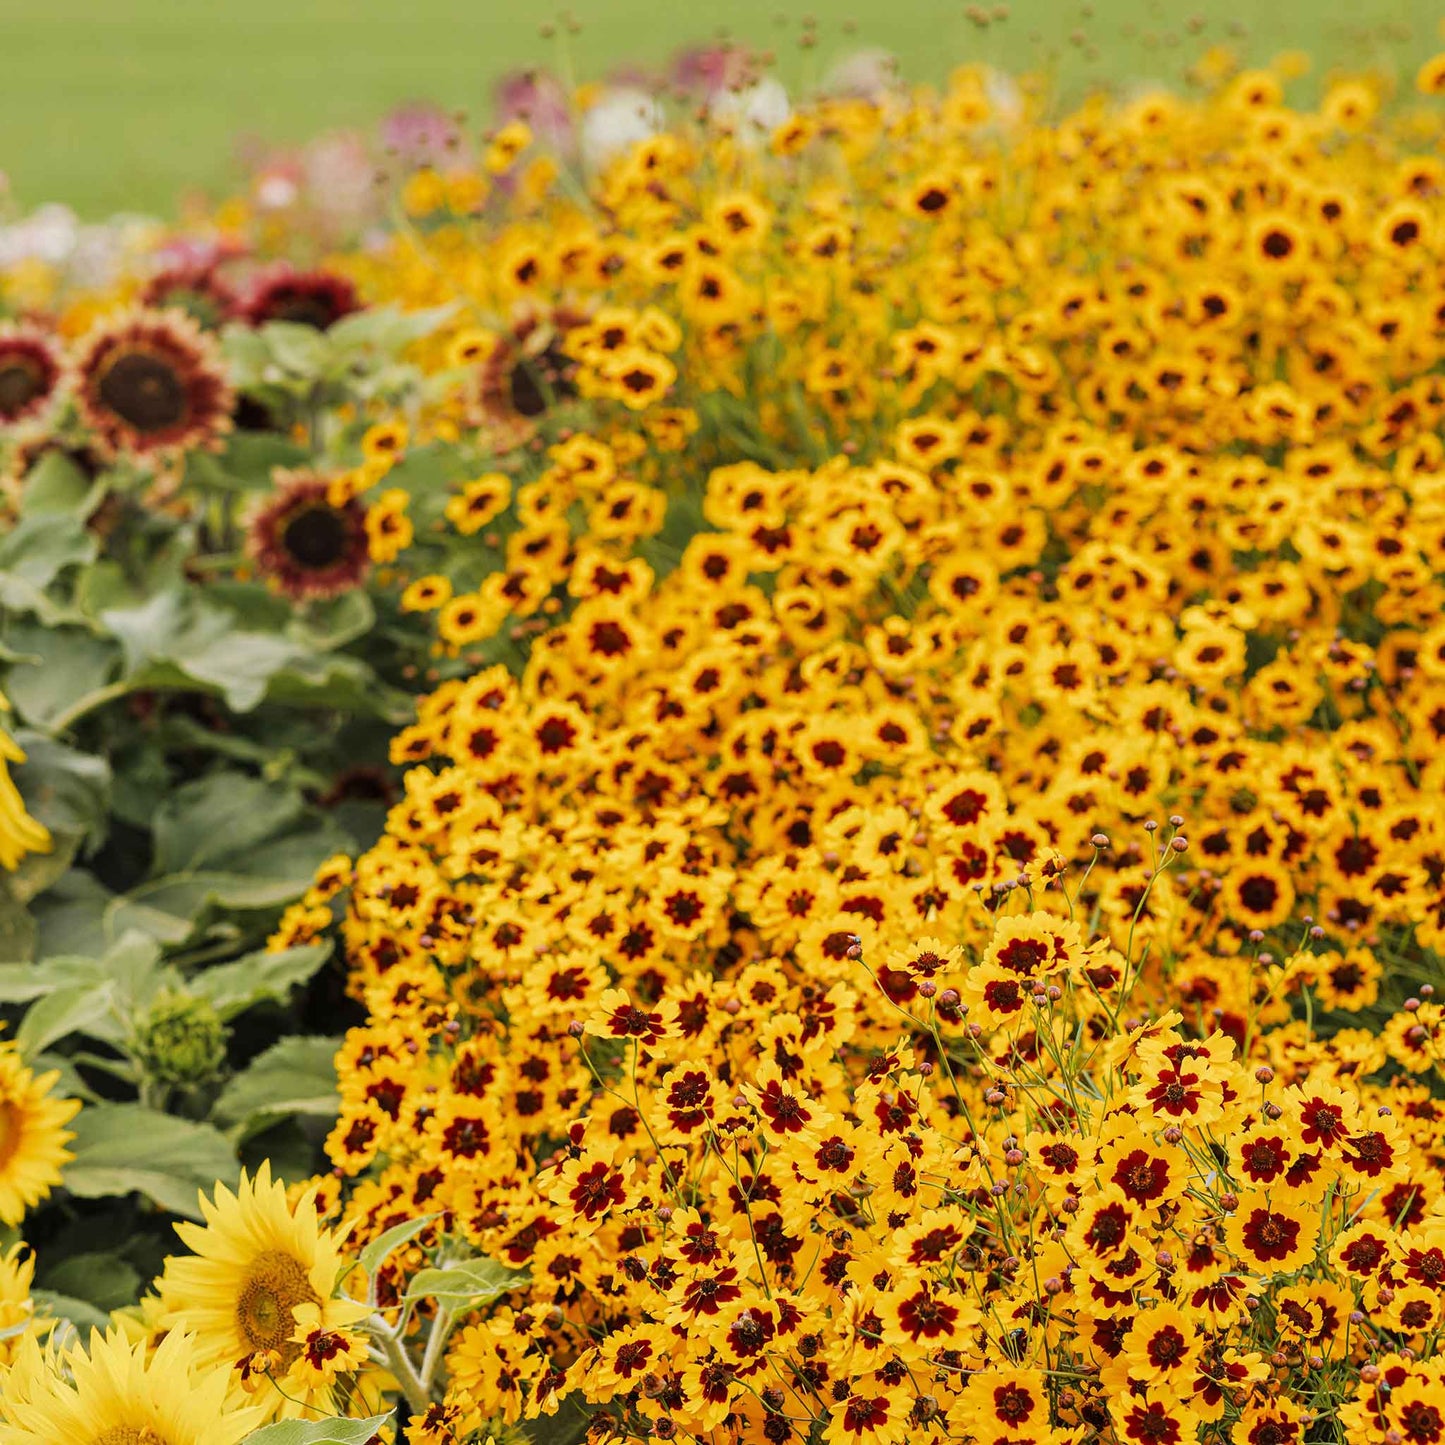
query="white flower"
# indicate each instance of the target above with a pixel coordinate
(755, 111)
(620, 119)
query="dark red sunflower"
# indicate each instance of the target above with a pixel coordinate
(526, 374)
(196, 288)
(304, 298)
(305, 545)
(30, 371)
(151, 382)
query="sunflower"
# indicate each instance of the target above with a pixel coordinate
(304, 298)
(19, 832)
(526, 373)
(119, 1391)
(32, 1135)
(150, 382)
(17, 1310)
(255, 1262)
(30, 372)
(192, 286)
(303, 543)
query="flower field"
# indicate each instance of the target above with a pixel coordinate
(768, 772)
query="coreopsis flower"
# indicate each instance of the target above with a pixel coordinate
(911, 904)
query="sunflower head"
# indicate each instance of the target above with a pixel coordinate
(32, 1135)
(304, 543)
(194, 287)
(305, 298)
(525, 374)
(257, 1260)
(121, 1392)
(150, 382)
(30, 373)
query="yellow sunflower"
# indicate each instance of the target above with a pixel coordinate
(17, 1309)
(255, 1262)
(19, 832)
(32, 1135)
(120, 1391)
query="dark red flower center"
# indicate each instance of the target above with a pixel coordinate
(144, 391)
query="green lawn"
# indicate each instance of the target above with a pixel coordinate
(121, 104)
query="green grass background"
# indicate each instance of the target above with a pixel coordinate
(123, 104)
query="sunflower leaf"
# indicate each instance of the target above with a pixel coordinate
(295, 1076)
(80, 1009)
(379, 1250)
(467, 1283)
(129, 1149)
(318, 1432)
(232, 988)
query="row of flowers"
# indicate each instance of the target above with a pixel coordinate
(908, 898)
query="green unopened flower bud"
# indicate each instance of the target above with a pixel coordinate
(181, 1041)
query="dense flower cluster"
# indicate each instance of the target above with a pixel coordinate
(787, 961)
(917, 889)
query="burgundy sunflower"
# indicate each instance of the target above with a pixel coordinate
(195, 287)
(30, 372)
(526, 375)
(151, 382)
(305, 298)
(304, 544)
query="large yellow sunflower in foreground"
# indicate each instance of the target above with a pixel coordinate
(256, 1260)
(119, 1393)
(32, 1135)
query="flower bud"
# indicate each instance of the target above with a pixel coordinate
(181, 1041)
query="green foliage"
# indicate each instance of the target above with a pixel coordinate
(465, 1284)
(295, 1076)
(319, 1432)
(125, 1148)
(190, 733)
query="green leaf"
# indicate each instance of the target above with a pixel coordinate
(133, 967)
(127, 1148)
(18, 930)
(466, 1284)
(294, 1076)
(36, 551)
(67, 790)
(336, 622)
(247, 463)
(65, 1011)
(232, 988)
(379, 1250)
(95, 1281)
(385, 329)
(567, 1427)
(318, 1432)
(56, 484)
(22, 982)
(70, 917)
(216, 818)
(177, 636)
(39, 871)
(70, 664)
(301, 350)
(83, 1315)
